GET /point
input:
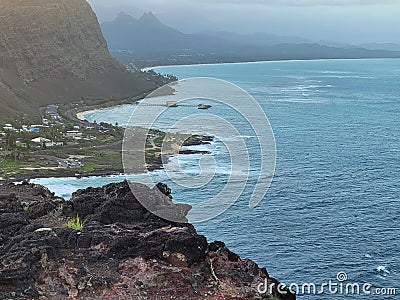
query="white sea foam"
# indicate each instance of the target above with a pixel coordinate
(301, 100)
(336, 72)
(383, 270)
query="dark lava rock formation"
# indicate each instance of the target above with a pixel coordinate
(123, 251)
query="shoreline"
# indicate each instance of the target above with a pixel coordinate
(261, 61)
(62, 174)
(68, 173)
(91, 109)
(80, 115)
(110, 172)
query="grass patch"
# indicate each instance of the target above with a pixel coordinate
(75, 223)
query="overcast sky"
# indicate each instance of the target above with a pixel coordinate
(350, 21)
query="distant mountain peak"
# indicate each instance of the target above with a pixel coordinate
(122, 16)
(149, 18)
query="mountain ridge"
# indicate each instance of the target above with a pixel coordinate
(156, 43)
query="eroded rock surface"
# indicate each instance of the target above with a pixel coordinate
(123, 251)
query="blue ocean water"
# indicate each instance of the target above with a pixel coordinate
(333, 205)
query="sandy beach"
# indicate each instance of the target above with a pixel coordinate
(81, 115)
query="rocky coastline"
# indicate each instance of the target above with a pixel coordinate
(154, 164)
(122, 252)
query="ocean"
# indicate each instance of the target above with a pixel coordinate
(333, 204)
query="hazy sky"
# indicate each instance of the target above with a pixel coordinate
(350, 21)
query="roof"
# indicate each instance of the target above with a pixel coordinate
(40, 140)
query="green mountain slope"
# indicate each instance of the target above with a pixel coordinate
(53, 51)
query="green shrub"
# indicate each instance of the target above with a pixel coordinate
(75, 223)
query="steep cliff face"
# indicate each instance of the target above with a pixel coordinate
(54, 51)
(123, 251)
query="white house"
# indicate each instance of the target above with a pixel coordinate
(40, 140)
(54, 144)
(9, 127)
(73, 134)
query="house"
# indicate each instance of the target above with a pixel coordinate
(40, 140)
(39, 126)
(34, 130)
(76, 134)
(9, 127)
(54, 144)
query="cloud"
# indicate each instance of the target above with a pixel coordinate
(162, 6)
(301, 2)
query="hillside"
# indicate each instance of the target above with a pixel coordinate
(53, 51)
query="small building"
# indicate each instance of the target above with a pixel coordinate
(40, 140)
(9, 127)
(73, 134)
(34, 130)
(54, 116)
(40, 126)
(54, 144)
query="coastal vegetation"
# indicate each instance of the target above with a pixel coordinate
(75, 223)
(56, 146)
(60, 144)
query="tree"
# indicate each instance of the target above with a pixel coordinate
(11, 139)
(26, 137)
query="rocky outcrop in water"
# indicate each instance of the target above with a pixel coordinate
(123, 251)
